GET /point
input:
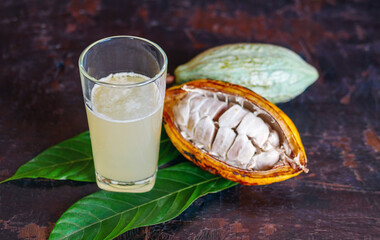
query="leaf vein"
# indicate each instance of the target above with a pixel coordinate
(123, 212)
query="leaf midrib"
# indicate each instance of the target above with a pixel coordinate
(50, 166)
(164, 140)
(157, 199)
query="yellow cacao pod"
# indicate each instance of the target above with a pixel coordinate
(229, 130)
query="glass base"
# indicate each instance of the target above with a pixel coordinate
(140, 186)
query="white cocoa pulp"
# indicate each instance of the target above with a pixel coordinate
(233, 130)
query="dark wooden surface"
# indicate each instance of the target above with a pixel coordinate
(338, 117)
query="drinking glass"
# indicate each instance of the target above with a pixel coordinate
(123, 81)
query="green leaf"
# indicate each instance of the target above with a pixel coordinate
(72, 160)
(167, 150)
(105, 215)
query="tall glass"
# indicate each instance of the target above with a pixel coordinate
(123, 80)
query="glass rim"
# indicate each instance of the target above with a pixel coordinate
(128, 85)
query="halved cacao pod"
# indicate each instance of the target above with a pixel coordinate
(229, 130)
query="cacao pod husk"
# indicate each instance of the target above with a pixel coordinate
(215, 102)
(275, 73)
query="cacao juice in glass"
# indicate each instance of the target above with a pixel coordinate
(123, 80)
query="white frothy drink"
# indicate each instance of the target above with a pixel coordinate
(125, 127)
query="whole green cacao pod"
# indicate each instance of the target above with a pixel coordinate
(274, 72)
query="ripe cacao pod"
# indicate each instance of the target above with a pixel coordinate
(229, 130)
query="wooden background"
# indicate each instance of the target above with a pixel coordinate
(338, 117)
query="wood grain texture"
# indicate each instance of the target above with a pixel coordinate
(337, 117)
